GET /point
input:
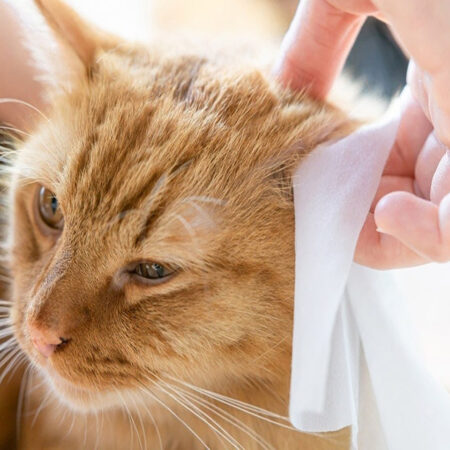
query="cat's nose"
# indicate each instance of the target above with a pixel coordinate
(44, 340)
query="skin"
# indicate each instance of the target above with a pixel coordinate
(409, 222)
(17, 75)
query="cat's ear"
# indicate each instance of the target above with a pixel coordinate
(78, 36)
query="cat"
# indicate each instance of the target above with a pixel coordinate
(151, 249)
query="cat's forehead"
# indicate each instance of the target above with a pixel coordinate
(180, 125)
(133, 126)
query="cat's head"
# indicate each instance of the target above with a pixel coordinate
(152, 230)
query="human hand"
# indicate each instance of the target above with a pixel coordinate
(19, 87)
(412, 206)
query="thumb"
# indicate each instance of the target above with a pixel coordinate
(316, 45)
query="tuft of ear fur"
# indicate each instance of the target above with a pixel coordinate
(74, 32)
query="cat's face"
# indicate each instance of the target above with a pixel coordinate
(152, 226)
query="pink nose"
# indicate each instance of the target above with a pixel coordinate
(45, 341)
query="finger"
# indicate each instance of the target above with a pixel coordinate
(414, 222)
(413, 131)
(427, 163)
(444, 220)
(439, 106)
(416, 82)
(316, 45)
(392, 183)
(382, 251)
(431, 93)
(422, 28)
(440, 184)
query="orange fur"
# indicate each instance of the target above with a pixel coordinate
(180, 158)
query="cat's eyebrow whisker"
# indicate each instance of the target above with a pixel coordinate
(23, 102)
(239, 424)
(160, 402)
(218, 429)
(206, 199)
(201, 210)
(186, 225)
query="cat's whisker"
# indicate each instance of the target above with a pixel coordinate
(45, 401)
(6, 302)
(5, 278)
(271, 349)
(160, 402)
(152, 418)
(102, 419)
(24, 103)
(239, 424)
(12, 367)
(229, 418)
(69, 430)
(9, 343)
(62, 418)
(6, 333)
(20, 401)
(85, 430)
(14, 129)
(8, 361)
(216, 427)
(7, 354)
(30, 378)
(141, 422)
(37, 386)
(132, 422)
(97, 431)
(245, 407)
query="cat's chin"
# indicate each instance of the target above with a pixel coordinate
(78, 398)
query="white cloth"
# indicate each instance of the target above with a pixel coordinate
(354, 361)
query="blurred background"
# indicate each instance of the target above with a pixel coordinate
(376, 62)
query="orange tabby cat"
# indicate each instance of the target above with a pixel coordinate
(152, 250)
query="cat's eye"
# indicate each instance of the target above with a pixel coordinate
(49, 209)
(151, 271)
